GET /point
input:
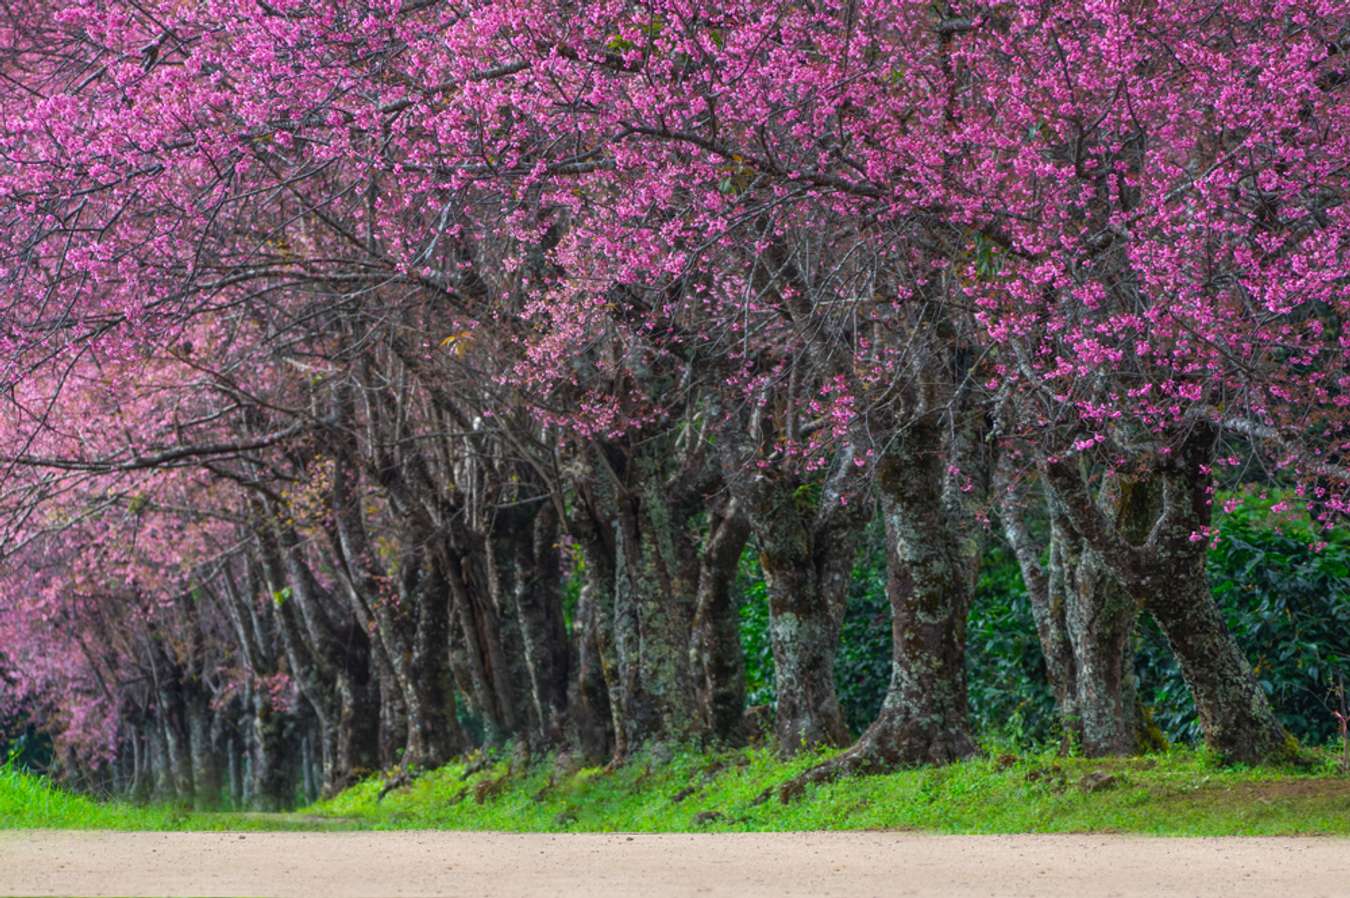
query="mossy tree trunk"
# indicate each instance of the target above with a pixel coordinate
(1085, 619)
(1101, 618)
(925, 716)
(654, 602)
(716, 655)
(806, 606)
(1157, 553)
(806, 530)
(1046, 585)
(806, 551)
(538, 604)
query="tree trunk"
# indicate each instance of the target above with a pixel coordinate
(142, 779)
(930, 565)
(160, 775)
(925, 716)
(1235, 715)
(807, 538)
(356, 739)
(1084, 619)
(599, 644)
(1047, 592)
(538, 601)
(478, 646)
(407, 625)
(1101, 618)
(590, 721)
(653, 619)
(271, 783)
(234, 780)
(392, 731)
(171, 718)
(1157, 551)
(206, 780)
(806, 605)
(716, 655)
(508, 545)
(437, 726)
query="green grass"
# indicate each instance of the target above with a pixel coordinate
(33, 802)
(1178, 793)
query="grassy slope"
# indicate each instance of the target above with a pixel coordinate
(30, 802)
(1180, 793)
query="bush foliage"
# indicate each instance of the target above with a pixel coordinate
(1284, 589)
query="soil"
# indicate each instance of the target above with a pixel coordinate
(820, 865)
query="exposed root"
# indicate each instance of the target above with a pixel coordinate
(491, 788)
(886, 746)
(481, 761)
(403, 778)
(857, 761)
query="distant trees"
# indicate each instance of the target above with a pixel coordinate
(387, 377)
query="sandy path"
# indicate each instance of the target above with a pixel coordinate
(856, 865)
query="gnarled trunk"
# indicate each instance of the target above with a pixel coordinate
(807, 539)
(1101, 618)
(1085, 622)
(654, 613)
(1157, 552)
(1235, 715)
(1047, 591)
(716, 655)
(925, 716)
(807, 587)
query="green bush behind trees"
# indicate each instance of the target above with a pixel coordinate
(1284, 590)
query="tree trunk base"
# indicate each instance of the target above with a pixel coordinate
(889, 744)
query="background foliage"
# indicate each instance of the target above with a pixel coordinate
(1284, 593)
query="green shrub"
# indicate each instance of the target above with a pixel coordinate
(1010, 696)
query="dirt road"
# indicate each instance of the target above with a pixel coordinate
(856, 865)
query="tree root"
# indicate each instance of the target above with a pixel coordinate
(857, 761)
(886, 746)
(404, 777)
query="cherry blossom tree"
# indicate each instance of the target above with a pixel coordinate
(337, 335)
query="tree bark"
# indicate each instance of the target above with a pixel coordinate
(478, 647)
(599, 652)
(206, 778)
(538, 601)
(508, 546)
(807, 586)
(1046, 593)
(807, 540)
(925, 716)
(716, 655)
(271, 784)
(591, 724)
(1157, 552)
(1101, 618)
(653, 619)
(440, 732)
(931, 562)
(1085, 620)
(1235, 715)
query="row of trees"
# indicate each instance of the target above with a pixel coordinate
(383, 378)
